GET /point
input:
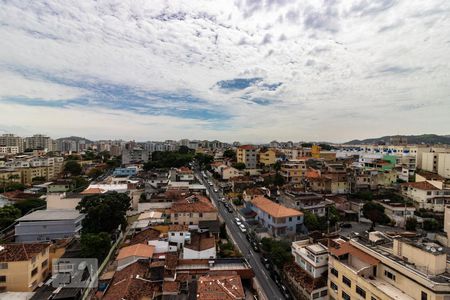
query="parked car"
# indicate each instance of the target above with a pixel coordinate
(242, 228)
(216, 190)
(255, 246)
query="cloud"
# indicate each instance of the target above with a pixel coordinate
(245, 70)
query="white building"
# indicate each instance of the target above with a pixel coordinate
(200, 246)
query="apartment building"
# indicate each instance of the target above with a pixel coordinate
(247, 154)
(39, 141)
(8, 175)
(293, 171)
(278, 219)
(9, 150)
(427, 195)
(306, 276)
(192, 210)
(23, 266)
(47, 167)
(377, 267)
(136, 155)
(398, 212)
(11, 140)
(47, 225)
(267, 157)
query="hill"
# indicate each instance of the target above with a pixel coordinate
(75, 138)
(412, 139)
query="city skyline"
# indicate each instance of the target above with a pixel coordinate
(251, 71)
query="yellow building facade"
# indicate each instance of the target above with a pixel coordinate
(23, 266)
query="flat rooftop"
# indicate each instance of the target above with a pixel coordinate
(51, 215)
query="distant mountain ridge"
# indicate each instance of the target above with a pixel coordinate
(75, 138)
(412, 139)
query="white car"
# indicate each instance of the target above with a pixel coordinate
(216, 190)
(242, 228)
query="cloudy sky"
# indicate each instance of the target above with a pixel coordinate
(245, 70)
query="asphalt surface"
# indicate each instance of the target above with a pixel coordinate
(262, 274)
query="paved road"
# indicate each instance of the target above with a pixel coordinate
(267, 284)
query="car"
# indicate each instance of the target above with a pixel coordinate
(229, 209)
(345, 225)
(255, 246)
(285, 291)
(210, 183)
(222, 199)
(216, 190)
(237, 220)
(242, 228)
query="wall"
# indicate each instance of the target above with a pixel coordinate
(46, 230)
(205, 254)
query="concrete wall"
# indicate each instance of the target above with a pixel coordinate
(205, 254)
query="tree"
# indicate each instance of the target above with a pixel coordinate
(26, 205)
(80, 182)
(105, 212)
(72, 167)
(185, 150)
(278, 179)
(95, 245)
(229, 153)
(94, 173)
(411, 224)
(204, 160)
(279, 252)
(240, 166)
(311, 221)
(431, 225)
(8, 214)
(375, 213)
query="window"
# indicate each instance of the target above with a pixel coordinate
(290, 219)
(172, 233)
(389, 275)
(3, 266)
(323, 293)
(345, 296)
(361, 292)
(44, 263)
(334, 272)
(333, 286)
(3, 278)
(298, 218)
(346, 281)
(34, 272)
(423, 296)
(181, 234)
(316, 295)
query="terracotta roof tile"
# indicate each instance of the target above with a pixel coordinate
(274, 209)
(144, 236)
(200, 242)
(21, 252)
(195, 203)
(141, 250)
(422, 185)
(171, 287)
(178, 227)
(220, 287)
(126, 285)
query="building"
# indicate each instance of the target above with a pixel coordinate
(200, 246)
(39, 141)
(220, 287)
(267, 157)
(278, 219)
(60, 186)
(443, 167)
(229, 172)
(192, 210)
(179, 235)
(130, 254)
(398, 212)
(293, 171)
(307, 274)
(11, 140)
(136, 155)
(9, 150)
(66, 201)
(376, 266)
(185, 174)
(427, 195)
(9, 175)
(305, 201)
(48, 225)
(129, 171)
(23, 266)
(247, 154)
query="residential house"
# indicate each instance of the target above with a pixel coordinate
(200, 246)
(293, 171)
(130, 254)
(305, 201)
(229, 172)
(375, 266)
(307, 274)
(247, 154)
(267, 157)
(60, 186)
(192, 210)
(23, 266)
(220, 287)
(179, 235)
(398, 212)
(427, 195)
(278, 219)
(47, 225)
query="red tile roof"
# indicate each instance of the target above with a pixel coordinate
(422, 185)
(247, 147)
(21, 252)
(130, 283)
(141, 250)
(171, 287)
(200, 242)
(347, 248)
(195, 203)
(300, 276)
(220, 287)
(274, 209)
(144, 236)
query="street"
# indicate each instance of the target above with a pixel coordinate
(267, 284)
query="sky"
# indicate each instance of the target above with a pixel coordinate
(245, 70)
